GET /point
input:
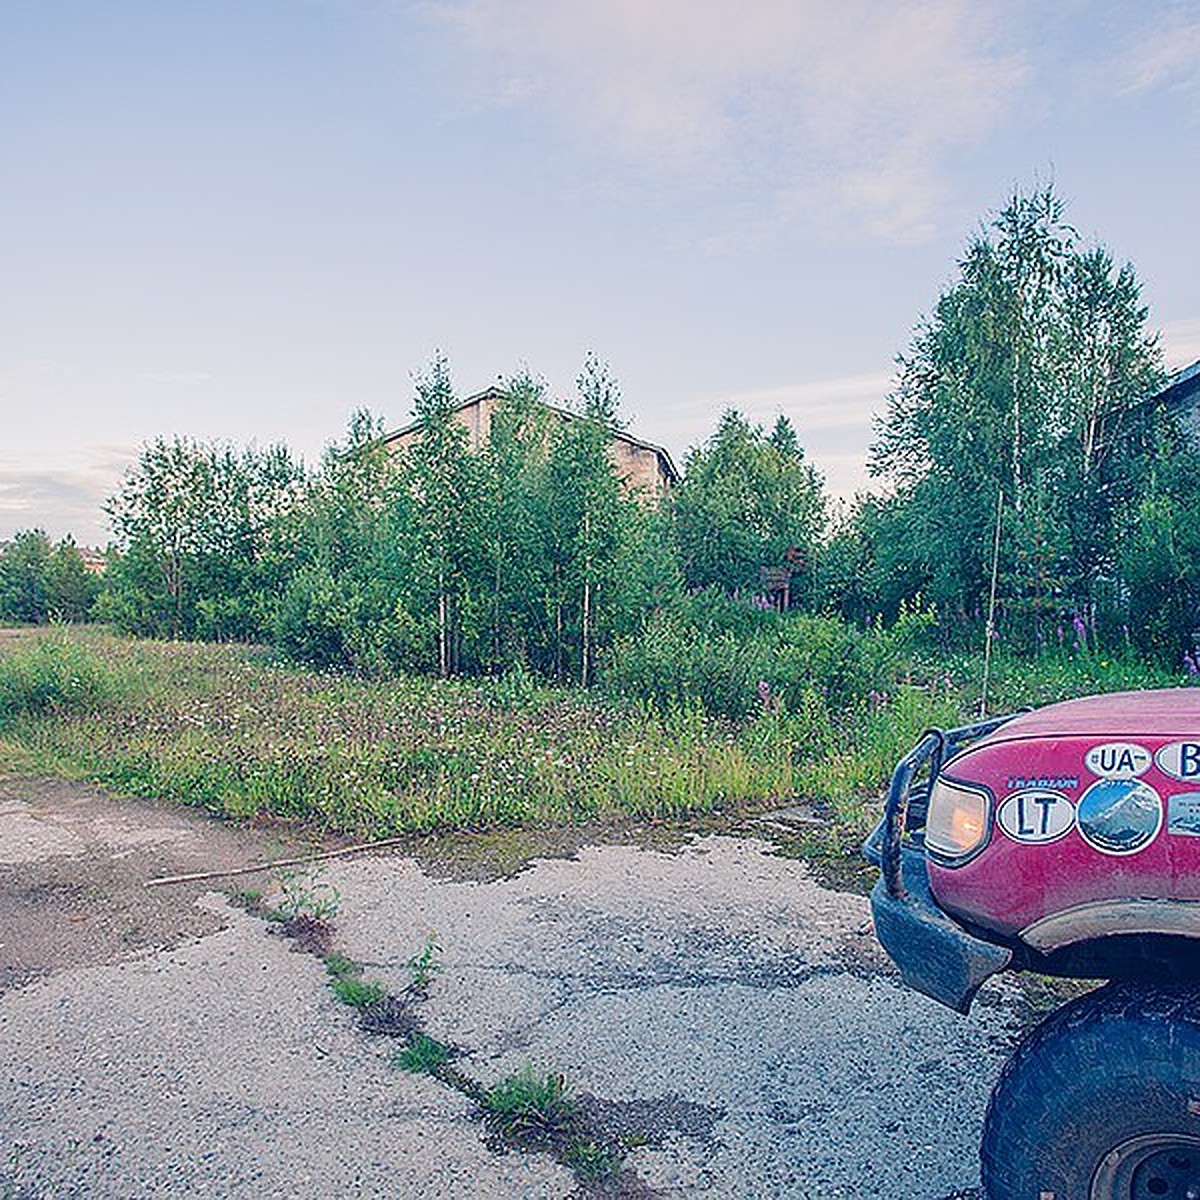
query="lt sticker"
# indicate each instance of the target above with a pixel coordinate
(1035, 816)
(1117, 760)
(1180, 760)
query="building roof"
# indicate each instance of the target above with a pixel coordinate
(1181, 387)
(495, 393)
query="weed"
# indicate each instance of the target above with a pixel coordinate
(531, 1109)
(338, 966)
(592, 1161)
(422, 1055)
(356, 992)
(49, 675)
(308, 894)
(424, 965)
(220, 726)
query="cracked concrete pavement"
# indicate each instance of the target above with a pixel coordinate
(738, 1015)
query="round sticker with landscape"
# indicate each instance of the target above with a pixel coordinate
(1117, 760)
(1119, 816)
(1180, 760)
(1035, 816)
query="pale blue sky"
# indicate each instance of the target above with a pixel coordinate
(245, 218)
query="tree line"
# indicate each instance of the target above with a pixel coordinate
(1021, 405)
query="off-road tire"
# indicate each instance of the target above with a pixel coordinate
(1101, 1101)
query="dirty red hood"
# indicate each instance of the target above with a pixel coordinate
(1166, 713)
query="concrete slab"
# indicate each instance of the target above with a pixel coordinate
(732, 1016)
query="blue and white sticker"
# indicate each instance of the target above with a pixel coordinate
(1180, 760)
(1119, 816)
(1118, 760)
(1035, 816)
(1183, 814)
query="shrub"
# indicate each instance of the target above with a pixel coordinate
(50, 675)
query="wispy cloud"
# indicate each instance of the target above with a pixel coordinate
(1181, 343)
(63, 497)
(821, 405)
(847, 104)
(1168, 56)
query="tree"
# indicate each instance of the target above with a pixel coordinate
(746, 499)
(1028, 381)
(511, 519)
(41, 582)
(192, 523)
(443, 478)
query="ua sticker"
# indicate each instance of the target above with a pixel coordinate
(1117, 760)
(1035, 816)
(1119, 816)
(1180, 760)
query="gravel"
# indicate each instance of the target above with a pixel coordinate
(715, 1004)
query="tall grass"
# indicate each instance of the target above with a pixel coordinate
(231, 730)
(51, 673)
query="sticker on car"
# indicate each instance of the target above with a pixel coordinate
(1035, 816)
(1119, 816)
(1118, 760)
(1183, 814)
(1180, 760)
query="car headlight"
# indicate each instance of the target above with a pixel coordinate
(957, 822)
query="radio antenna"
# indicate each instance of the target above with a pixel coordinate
(990, 630)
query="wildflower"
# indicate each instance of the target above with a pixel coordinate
(1077, 623)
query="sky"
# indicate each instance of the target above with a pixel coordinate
(243, 220)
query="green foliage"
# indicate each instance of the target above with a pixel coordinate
(1160, 562)
(307, 894)
(425, 964)
(1029, 379)
(198, 527)
(422, 1055)
(745, 500)
(40, 582)
(530, 1108)
(735, 659)
(355, 992)
(592, 1161)
(310, 623)
(50, 675)
(338, 966)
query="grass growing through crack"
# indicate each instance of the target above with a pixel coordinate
(357, 993)
(422, 1055)
(424, 965)
(531, 1108)
(525, 1109)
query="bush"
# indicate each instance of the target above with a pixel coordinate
(736, 660)
(311, 619)
(50, 675)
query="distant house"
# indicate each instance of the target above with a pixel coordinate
(95, 562)
(1181, 398)
(641, 466)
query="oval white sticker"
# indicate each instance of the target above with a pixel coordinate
(1117, 760)
(1035, 815)
(1180, 760)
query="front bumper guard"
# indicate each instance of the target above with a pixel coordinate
(935, 954)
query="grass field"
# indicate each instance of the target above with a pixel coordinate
(231, 729)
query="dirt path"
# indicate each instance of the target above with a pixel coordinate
(735, 1015)
(73, 868)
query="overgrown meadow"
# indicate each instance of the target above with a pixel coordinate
(235, 731)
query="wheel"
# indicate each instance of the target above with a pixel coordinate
(1101, 1102)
